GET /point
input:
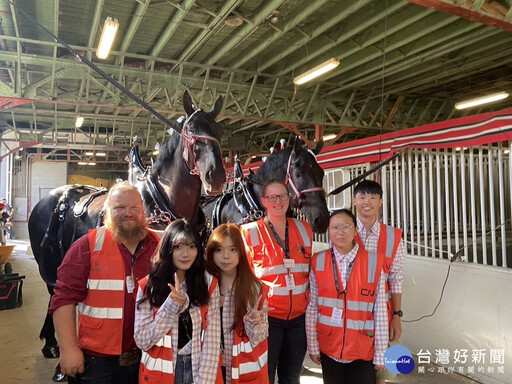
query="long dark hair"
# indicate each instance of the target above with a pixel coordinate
(246, 285)
(163, 269)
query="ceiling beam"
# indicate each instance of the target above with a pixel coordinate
(493, 15)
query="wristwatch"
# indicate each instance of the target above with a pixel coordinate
(399, 313)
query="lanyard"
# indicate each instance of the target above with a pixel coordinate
(286, 246)
(134, 256)
(335, 271)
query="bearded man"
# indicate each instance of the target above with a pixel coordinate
(98, 277)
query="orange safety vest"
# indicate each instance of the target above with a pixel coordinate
(268, 260)
(157, 365)
(389, 240)
(350, 337)
(100, 315)
(249, 363)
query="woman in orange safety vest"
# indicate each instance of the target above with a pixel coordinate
(280, 250)
(346, 319)
(244, 322)
(177, 346)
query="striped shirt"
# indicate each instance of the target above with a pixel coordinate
(379, 310)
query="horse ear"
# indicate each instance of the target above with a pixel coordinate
(217, 107)
(297, 145)
(318, 147)
(187, 104)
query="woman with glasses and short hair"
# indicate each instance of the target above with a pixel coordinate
(346, 319)
(279, 248)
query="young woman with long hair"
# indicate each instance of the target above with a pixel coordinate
(176, 304)
(244, 321)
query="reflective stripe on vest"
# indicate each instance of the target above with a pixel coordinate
(157, 364)
(352, 305)
(372, 266)
(255, 238)
(105, 285)
(165, 341)
(303, 232)
(284, 291)
(320, 261)
(390, 241)
(282, 270)
(100, 239)
(100, 313)
(357, 325)
(249, 367)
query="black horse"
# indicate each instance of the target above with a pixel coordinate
(297, 167)
(170, 189)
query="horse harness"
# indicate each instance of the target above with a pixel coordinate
(189, 141)
(77, 197)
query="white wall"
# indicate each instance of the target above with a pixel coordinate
(44, 176)
(475, 311)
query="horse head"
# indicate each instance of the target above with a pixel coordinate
(298, 168)
(201, 145)
(304, 178)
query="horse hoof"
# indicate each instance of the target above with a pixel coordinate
(59, 377)
(51, 352)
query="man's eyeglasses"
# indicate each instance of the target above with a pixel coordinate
(341, 228)
(273, 198)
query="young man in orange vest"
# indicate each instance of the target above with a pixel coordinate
(375, 236)
(98, 276)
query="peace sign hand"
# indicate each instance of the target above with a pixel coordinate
(257, 316)
(176, 294)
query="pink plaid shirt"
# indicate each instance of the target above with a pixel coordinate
(379, 310)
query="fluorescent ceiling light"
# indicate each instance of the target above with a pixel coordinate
(82, 163)
(481, 100)
(330, 136)
(102, 154)
(89, 153)
(107, 37)
(79, 121)
(92, 163)
(317, 71)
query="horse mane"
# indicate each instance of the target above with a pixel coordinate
(167, 151)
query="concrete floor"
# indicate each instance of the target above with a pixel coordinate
(21, 360)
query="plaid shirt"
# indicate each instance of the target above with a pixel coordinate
(371, 241)
(149, 329)
(255, 332)
(379, 310)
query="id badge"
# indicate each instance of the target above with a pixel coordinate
(130, 283)
(290, 282)
(289, 263)
(336, 317)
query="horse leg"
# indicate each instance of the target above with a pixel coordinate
(51, 347)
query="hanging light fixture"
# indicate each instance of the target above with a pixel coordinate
(330, 136)
(79, 121)
(317, 71)
(107, 37)
(481, 100)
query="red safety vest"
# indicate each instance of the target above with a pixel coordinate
(389, 240)
(350, 337)
(100, 315)
(157, 365)
(249, 363)
(268, 261)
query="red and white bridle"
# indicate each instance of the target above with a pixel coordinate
(289, 180)
(189, 141)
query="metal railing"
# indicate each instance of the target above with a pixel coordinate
(447, 201)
